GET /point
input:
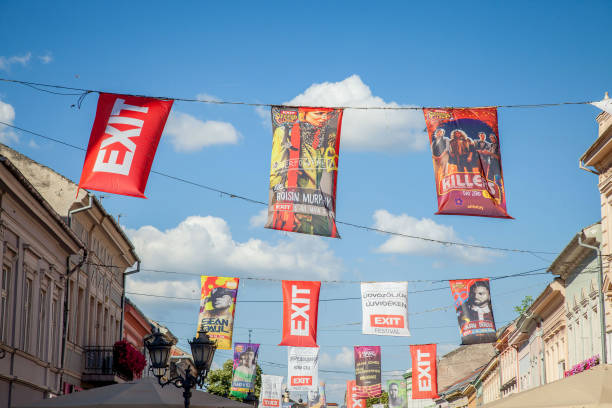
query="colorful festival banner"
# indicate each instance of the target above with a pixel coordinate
(352, 400)
(467, 161)
(424, 371)
(474, 310)
(122, 145)
(317, 398)
(245, 368)
(271, 395)
(300, 313)
(304, 170)
(367, 371)
(385, 308)
(303, 369)
(397, 394)
(217, 306)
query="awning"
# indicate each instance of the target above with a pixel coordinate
(591, 388)
(138, 394)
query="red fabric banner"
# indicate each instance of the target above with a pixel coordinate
(352, 401)
(304, 170)
(123, 143)
(467, 161)
(474, 310)
(424, 371)
(300, 312)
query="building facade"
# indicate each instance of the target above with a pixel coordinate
(91, 303)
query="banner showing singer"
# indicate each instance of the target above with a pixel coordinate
(217, 307)
(397, 394)
(123, 142)
(474, 310)
(245, 368)
(467, 161)
(367, 371)
(304, 170)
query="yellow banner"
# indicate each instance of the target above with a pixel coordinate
(217, 306)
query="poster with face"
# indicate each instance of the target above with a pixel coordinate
(397, 393)
(368, 371)
(316, 398)
(474, 310)
(245, 369)
(304, 170)
(217, 306)
(467, 161)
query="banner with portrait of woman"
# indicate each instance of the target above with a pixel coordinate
(474, 310)
(467, 161)
(245, 369)
(217, 307)
(304, 170)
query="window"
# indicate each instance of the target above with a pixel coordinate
(561, 370)
(42, 323)
(4, 303)
(54, 333)
(80, 317)
(27, 315)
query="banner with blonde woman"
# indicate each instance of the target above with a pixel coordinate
(304, 170)
(217, 307)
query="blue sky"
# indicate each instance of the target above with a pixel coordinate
(349, 53)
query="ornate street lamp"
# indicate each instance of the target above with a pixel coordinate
(202, 350)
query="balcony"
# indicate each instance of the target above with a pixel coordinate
(100, 368)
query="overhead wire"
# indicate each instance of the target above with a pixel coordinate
(350, 224)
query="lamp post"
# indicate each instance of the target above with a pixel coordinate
(202, 350)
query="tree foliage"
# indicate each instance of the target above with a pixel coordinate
(383, 399)
(525, 303)
(219, 381)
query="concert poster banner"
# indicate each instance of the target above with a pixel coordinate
(245, 369)
(316, 398)
(396, 389)
(304, 170)
(474, 310)
(271, 395)
(352, 400)
(123, 142)
(300, 313)
(368, 371)
(303, 369)
(385, 308)
(466, 157)
(424, 371)
(217, 307)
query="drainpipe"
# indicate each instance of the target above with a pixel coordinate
(602, 312)
(76, 210)
(123, 298)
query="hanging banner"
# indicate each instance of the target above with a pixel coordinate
(316, 398)
(385, 308)
(367, 371)
(474, 310)
(424, 371)
(300, 313)
(467, 161)
(245, 369)
(397, 394)
(123, 142)
(271, 394)
(304, 170)
(217, 307)
(303, 369)
(605, 104)
(352, 400)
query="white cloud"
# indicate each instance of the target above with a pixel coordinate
(343, 359)
(260, 219)
(367, 129)
(188, 134)
(171, 288)
(206, 97)
(6, 62)
(46, 58)
(427, 228)
(198, 241)
(7, 115)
